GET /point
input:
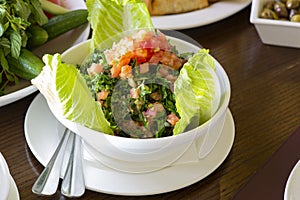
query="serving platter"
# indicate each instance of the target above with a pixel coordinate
(99, 177)
(57, 45)
(215, 12)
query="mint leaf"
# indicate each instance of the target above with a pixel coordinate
(16, 43)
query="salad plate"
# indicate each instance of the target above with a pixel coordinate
(57, 45)
(292, 191)
(178, 175)
(215, 12)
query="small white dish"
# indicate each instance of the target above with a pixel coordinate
(292, 189)
(274, 32)
(215, 12)
(13, 191)
(4, 178)
(101, 178)
(57, 45)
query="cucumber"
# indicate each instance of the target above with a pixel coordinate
(27, 66)
(38, 36)
(65, 22)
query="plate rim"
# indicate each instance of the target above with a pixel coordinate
(163, 22)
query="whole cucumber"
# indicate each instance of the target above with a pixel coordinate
(38, 36)
(27, 66)
(63, 23)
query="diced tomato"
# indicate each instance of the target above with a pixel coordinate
(142, 55)
(163, 71)
(135, 93)
(172, 119)
(144, 68)
(126, 71)
(98, 68)
(171, 60)
(102, 95)
(117, 66)
(166, 58)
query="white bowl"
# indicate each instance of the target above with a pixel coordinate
(144, 155)
(4, 179)
(274, 32)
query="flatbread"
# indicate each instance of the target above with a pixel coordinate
(163, 7)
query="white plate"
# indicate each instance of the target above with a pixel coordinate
(57, 45)
(215, 12)
(292, 191)
(103, 179)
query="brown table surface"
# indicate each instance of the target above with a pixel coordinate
(265, 105)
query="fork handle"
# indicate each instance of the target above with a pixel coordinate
(73, 182)
(47, 182)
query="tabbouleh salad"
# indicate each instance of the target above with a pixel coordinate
(134, 82)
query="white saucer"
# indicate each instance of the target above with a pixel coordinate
(42, 135)
(292, 191)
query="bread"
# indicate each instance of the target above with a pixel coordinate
(163, 7)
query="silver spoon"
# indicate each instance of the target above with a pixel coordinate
(47, 182)
(73, 182)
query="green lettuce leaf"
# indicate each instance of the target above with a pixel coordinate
(196, 92)
(67, 93)
(109, 19)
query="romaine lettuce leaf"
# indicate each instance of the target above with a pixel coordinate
(196, 92)
(109, 19)
(66, 92)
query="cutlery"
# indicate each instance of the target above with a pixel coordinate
(47, 182)
(66, 160)
(73, 182)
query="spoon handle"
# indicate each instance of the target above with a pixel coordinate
(47, 182)
(73, 182)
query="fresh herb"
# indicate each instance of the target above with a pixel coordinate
(16, 16)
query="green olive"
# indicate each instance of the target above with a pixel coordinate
(281, 10)
(268, 14)
(295, 18)
(269, 5)
(292, 4)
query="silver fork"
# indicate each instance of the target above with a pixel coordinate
(73, 185)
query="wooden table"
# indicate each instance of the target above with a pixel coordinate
(265, 105)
